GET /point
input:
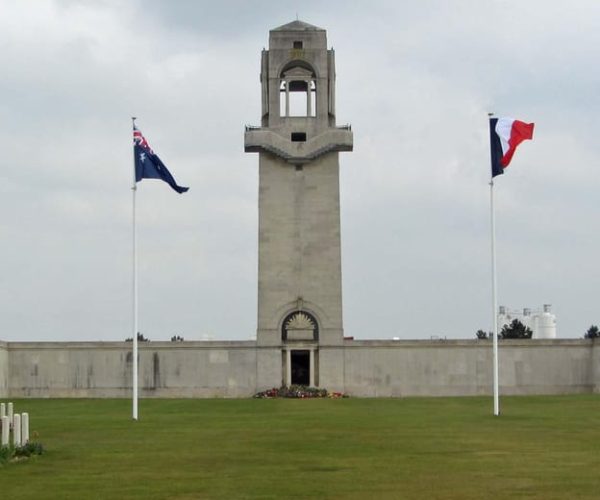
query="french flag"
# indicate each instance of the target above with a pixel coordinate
(505, 135)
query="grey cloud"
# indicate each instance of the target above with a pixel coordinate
(415, 79)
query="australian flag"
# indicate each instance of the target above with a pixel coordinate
(148, 165)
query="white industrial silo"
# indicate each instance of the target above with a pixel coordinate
(545, 327)
(504, 317)
(542, 323)
(527, 319)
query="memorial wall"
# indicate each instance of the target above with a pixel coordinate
(369, 368)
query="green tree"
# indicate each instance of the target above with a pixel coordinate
(482, 335)
(592, 333)
(516, 330)
(140, 337)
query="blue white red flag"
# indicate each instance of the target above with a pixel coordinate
(148, 165)
(505, 135)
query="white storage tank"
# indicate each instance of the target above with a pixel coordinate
(527, 319)
(546, 324)
(503, 317)
(542, 323)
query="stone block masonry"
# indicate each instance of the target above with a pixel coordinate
(362, 368)
(104, 369)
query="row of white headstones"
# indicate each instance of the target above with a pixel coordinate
(17, 422)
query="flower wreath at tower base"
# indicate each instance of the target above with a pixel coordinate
(298, 392)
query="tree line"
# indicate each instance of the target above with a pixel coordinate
(517, 330)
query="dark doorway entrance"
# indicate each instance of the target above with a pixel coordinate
(300, 367)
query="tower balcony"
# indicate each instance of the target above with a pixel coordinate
(295, 148)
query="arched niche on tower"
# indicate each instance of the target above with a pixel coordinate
(300, 325)
(297, 90)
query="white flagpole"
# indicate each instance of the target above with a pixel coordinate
(494, 302)
(134, 377)
(494, 293)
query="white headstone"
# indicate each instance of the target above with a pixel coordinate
(5, 431)
(25, 428)
(2, 410)
(10, 414)
(17, 429)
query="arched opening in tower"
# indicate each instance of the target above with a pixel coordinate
(298, 93)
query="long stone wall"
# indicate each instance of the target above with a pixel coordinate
(461, 368)
(366, 368)
(103, 369)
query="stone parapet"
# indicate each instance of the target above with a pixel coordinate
(387, 368)
(467, 343)
(104, 369)
(362, 368)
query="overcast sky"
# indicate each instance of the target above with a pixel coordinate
(414, 78)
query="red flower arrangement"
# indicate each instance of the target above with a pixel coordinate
(298, 392)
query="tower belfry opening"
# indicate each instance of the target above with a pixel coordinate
(297, 93)
(299, 268)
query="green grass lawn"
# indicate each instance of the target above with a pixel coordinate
(431, 448)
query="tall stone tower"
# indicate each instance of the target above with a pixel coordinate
(300, 329)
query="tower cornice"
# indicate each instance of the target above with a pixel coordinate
(257, 139)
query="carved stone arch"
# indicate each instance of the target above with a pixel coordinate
(298, 63)
(297, 91)
(300, 325)
(300, 304)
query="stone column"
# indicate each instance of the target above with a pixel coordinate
(287, 98)
(288, 367)
(311, 382)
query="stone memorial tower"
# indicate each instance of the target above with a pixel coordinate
(300, 329)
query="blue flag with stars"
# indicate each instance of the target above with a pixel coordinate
(148, 165)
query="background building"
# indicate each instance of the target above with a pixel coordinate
(542, 322)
